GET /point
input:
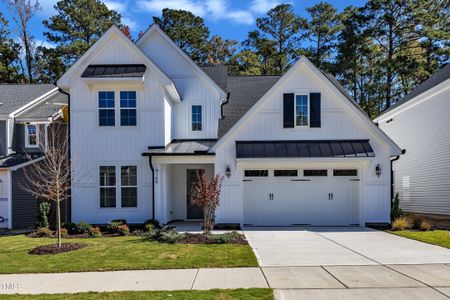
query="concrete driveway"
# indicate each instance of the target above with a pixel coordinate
(338, 246)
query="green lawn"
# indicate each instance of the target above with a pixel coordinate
(435, 237)
(250, 294)
(119, 253)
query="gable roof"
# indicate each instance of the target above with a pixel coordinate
(64, 81)
(303, 60)
(440, 76)
(155, 28)
(16, 96)
(44, 109)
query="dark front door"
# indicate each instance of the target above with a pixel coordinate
(193, 212)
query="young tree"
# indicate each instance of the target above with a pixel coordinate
(321, 30)
(77, 25)
(220, 51)
(188, 31)
(9, 54)
(282, 26)
(49, 179)
(206, 195)
(23, 11)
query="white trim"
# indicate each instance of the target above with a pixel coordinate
(10, 200)
(155, 28)
(303, 60)
(26, 135)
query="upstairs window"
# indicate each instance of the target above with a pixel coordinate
(301, 110)
(106, 112)
(107, 186)
(31, 135)
(128, 183)
(196, 118)
(127, 108)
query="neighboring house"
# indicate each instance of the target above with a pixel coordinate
(420, 124)
(26, 110)
(292, 150)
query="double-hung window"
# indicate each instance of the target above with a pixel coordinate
(196, 117)
(106, 111)
(107, 186)
(301, 110)
(31, 135)
(127, 108)
(128, 186)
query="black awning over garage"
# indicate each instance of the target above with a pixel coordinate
(304, 149)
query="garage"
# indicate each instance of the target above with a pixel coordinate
(301, 197)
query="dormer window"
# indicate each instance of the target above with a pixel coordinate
(301, 110)
(31, 135)
(196, 118)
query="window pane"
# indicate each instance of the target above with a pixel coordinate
(345, 172)
(285, 173)
(106, 117)
(315, 172)
(301, 110)
(107, 176)
(128, 117)
(128, 176)
(129, 197)
(108, 197)
(256, 173)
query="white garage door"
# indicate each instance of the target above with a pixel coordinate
(331, 200)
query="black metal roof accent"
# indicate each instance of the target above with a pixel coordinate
(304, 149)
(111, 71)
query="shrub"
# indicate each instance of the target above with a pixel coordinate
(396, 211)
(95, 232)
(43, 232)
(400, 224)
(42, 219)
(425, 225)
(123, 229)
(64, 233)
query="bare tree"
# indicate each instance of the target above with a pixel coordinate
(206, 195)
(49, 179)
(24, 11)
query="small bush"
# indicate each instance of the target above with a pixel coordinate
(400, 224)
(95, 232)
(425, 225)
(43, 232)
(123, 229)
(64, 233)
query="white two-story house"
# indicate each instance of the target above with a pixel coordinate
(292, 149)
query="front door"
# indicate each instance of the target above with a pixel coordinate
(193, 212)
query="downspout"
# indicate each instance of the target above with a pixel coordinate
(68, 215)
(153, 186)
(392, 173)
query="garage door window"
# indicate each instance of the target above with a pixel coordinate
(256, 173)
(315, 173)
(350, 172)
(285, 173)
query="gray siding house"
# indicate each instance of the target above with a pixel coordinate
(420, 124)
(26, 112)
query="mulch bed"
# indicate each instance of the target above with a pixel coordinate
(54, 249)
(190, 238)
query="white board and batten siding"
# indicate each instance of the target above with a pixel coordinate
(422, 127)
(337, 123)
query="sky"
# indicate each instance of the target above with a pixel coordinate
(231, 19)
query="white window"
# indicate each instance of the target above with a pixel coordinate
(31, 135)
(107, 186)
(301, 110)
(128, 182)
(196, 118)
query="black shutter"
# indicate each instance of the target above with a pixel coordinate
(314, 110)
(288, 110)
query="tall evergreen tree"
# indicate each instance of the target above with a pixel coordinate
(188, 31)
(77, 25)
(9, 54)
(321, 31)
(282, 26)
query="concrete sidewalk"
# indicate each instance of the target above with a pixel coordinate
(430, 281)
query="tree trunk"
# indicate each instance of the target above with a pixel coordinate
(58, 220)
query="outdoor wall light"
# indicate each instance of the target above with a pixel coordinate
(378, 170)
(228, 171)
